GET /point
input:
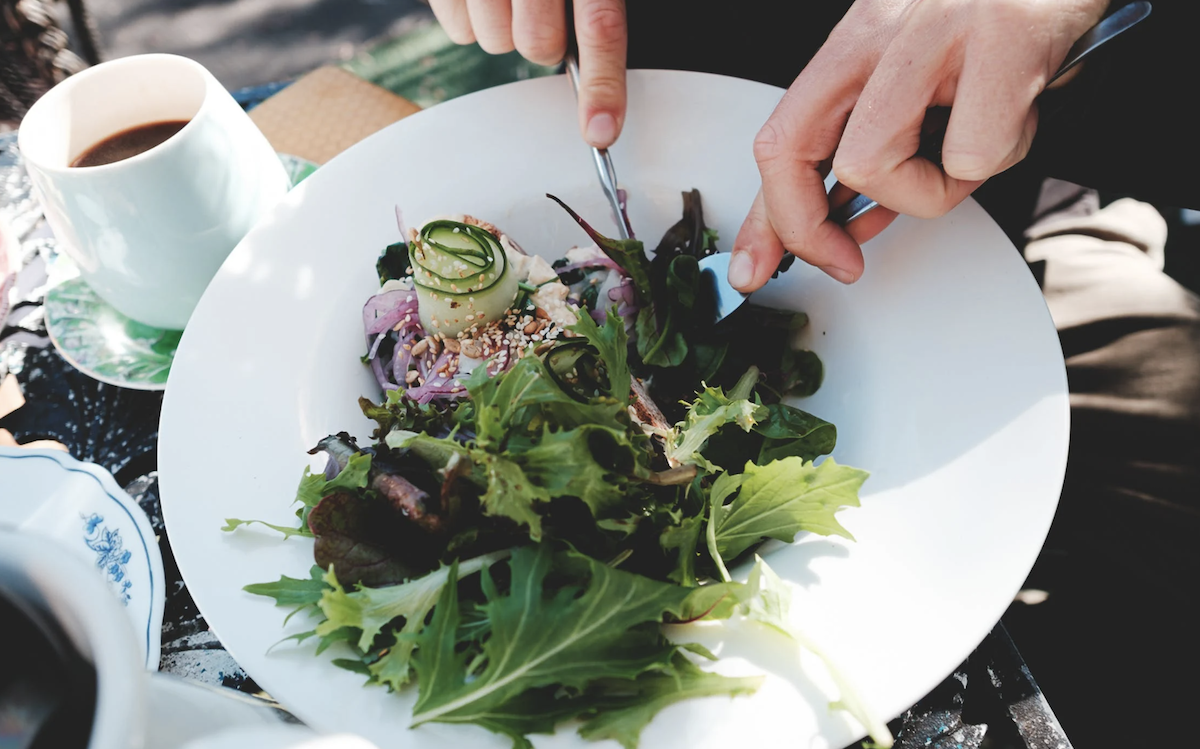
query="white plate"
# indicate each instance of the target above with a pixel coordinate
(943, 374)
(79, 505)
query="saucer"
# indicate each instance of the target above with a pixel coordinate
(79, 505)
(105, 344)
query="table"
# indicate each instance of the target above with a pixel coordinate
(989, 700)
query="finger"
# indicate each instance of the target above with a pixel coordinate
(756, 251)
(452, 15)
(990, 126)
(539, 30)
(792, 151)
(601, 34)
(877, 154)
(868, 225)
(492, 22)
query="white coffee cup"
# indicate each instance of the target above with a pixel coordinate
(149, 232)
(133, 707)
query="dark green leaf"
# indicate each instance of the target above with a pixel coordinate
(802, 373)
(630, 254)
(659, 345)
(789, 431)
(613, 345)
(393, 262)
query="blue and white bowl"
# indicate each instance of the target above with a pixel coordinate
(50, 494)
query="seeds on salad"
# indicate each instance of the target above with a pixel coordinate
(412, 376)
(452, 344)
(420, 347)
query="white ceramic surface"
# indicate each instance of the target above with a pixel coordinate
(943, 374)
(134, 708)
(149, 232)
(79, 505)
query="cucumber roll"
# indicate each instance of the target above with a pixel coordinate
(462, 277)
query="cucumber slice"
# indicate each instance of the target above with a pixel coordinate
(462, 277)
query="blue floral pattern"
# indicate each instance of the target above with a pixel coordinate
(111, 555)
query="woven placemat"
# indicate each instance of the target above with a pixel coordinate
(325, 112)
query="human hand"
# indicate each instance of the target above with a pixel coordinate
(538, 30)
(859, 104)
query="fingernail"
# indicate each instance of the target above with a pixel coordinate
(601, 130)
(837, 274)
(741, 270)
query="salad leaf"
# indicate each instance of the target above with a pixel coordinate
(588, 462)
(790, 431)
(612, 343)
(314, 486)
(232, 524)
(369, 610)
(689, 234)
(358, 535)
(393, 262)
(784, 497)
(801, 372)
(508, 403)
(623, 718)
(629, 254)
(290, 591)
(400, 412)
(681, 540)
(594, 630)
(510, 493)
(712, 410)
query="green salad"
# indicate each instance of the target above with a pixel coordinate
(565, 460)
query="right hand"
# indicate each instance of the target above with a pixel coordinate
(538, 30)
(859, 106)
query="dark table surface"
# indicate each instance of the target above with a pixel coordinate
(991, 701)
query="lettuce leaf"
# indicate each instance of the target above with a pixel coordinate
(709, 412)
(624, 717)
(314, 486)
(606, 626)
(368, 610)
(613, 345)
(782, 498)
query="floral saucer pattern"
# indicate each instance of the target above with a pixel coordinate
(80, 506)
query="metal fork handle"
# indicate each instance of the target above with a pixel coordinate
(931, 147)
(604, 165)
